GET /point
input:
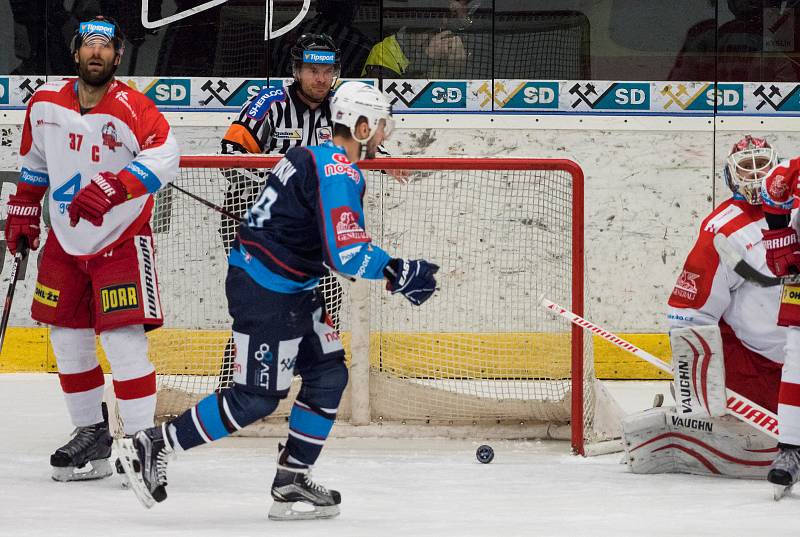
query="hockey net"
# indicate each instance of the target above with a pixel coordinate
(480, 358)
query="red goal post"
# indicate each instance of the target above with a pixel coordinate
(480, 356)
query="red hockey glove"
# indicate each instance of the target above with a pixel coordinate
(783, 252)
(97, 198)
(22, 222)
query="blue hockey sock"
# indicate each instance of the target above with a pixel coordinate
(203, 423)
(308, 429)
(221, 414)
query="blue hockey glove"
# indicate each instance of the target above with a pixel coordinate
(412, 278)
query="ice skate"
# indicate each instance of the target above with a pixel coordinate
(296, 496)
(144, 458)
(85, 456)
(785, 471)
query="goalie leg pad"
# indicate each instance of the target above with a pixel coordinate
(660, 440)
(699, 370)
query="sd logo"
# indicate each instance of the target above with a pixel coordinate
(119, 297)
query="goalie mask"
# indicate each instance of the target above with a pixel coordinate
(354, 100)
(748, 163)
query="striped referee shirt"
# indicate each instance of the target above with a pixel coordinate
(275, 120)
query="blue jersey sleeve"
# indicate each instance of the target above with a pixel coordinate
(347, 246)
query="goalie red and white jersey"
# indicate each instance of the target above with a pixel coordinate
(63, 149)
(707, 290)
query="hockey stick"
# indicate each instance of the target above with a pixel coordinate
(731, 258)
(738, 406)
(207, 203)
(19, 257)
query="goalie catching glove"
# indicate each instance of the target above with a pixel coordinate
(414, 279)
(93, 201)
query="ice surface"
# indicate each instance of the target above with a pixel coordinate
(414, 487)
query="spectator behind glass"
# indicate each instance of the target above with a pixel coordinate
(42, 19)
(741, 55)
(334, 18)
(412, 53)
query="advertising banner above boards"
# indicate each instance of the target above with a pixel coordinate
(194, 94)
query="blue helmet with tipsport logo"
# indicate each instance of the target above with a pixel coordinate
(316, 49)
(99, 29)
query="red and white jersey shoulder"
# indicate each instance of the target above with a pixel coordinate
(707, 290)
(63, 149)
(780, 188)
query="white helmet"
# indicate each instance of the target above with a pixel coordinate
(748, 163)
(354, 100)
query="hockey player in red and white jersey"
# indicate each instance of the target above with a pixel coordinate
(717, 316)
(780, 193)
(102, 149)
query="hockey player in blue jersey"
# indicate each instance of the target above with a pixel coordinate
(308, 215)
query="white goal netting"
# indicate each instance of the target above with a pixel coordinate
(480, 354)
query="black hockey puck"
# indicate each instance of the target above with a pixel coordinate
(485, 454)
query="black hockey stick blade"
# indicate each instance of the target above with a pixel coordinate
(731, 258)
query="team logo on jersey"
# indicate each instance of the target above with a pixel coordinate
(348, 231)
(686, 287)
(109, 135)
(324, 134)
(119, 297)
(46, 295)
(777, 187)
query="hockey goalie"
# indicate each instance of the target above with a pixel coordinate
(723, 332)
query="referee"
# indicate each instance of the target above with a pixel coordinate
(272, 122)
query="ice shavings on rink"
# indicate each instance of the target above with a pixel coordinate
(414, 487)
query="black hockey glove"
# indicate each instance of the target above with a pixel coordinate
(412, 278)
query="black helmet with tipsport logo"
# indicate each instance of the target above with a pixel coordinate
(316, 48)
(98, 28)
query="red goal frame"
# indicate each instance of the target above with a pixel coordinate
(416, 163)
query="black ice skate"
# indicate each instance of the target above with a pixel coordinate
(785, 470)
(144, 458)
(85, 456)
(296, 496)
